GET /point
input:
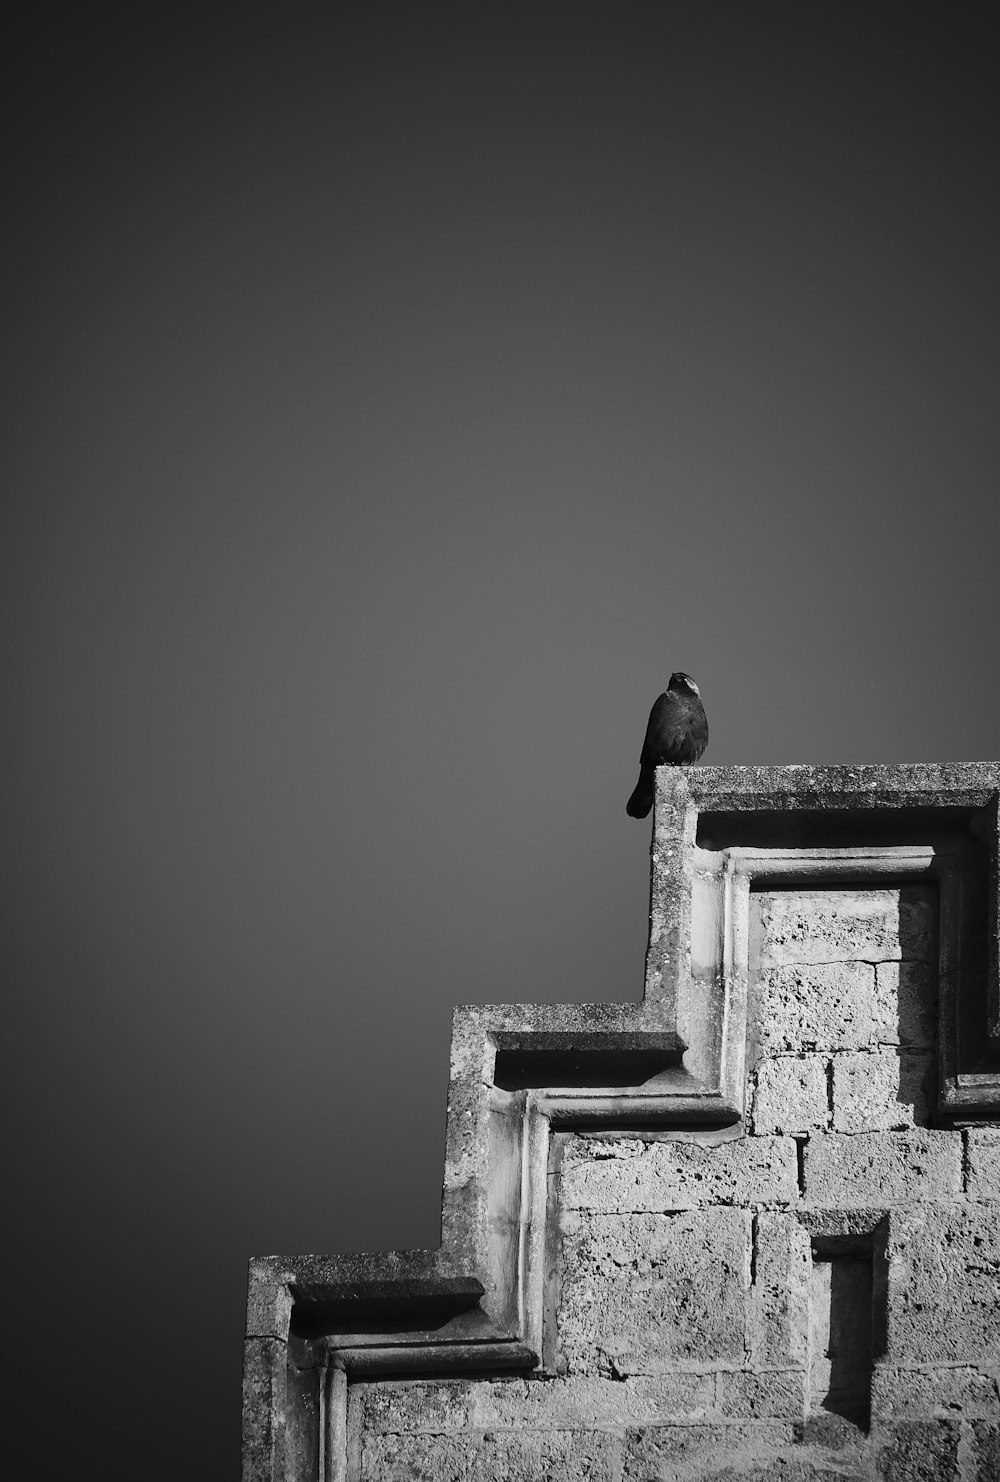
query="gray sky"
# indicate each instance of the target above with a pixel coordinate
(394, 397)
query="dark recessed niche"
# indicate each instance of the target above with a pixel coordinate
(844, 1326)
(845, 828)
(397, 1307)
(518, 1070)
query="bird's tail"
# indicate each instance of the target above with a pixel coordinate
(641, 801)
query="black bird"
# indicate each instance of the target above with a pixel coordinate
(677, 732)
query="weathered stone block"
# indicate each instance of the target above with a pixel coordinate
(644, 1294)
(264, 1391)
(905, 1008)
(492, 1456)
(626, 1175)
(422, 1457)
(944, 1286)
(302, 1420)
(983, 1163)
(791, 1095)
(798, 1465)
(269, 1303)
(963, 1392)
(833, 1433)
(750, 1396)
(850, 925)
(879, 1169)
(814, 1007)
(393, 1407)
(672, 1453)
(538, 1403)
(918, 1451)
(572, 1403)
(778, 1309)
(882, 1090)
(985, 1460)
(857, 1228)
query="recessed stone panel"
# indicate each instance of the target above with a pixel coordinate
(840, 1335)
(818, 1006)
(847, 925)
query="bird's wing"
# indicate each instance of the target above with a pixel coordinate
(659, 721)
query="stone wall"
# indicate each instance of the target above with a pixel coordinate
(774, 1252)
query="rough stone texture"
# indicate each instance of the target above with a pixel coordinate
(401, 1406)
(492, 1456)
(983, 1464)
(263, 1407)
(846, 1006)
(819, 1006)
(750, 1451)
(936, 1392)
(680, 1292)
(984, 1163)
(778, 1329)
(944, 1285)
(617, 1175)
(878, 1169)
(792, 1094)
(675, 1452)
(534, 1404)
(810, 926)
(648, 1294)
(906, 1004)
(881, 1092)
(753, 1396)
(920, 1451)
(845, 976)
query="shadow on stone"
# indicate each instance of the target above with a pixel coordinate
(517, 1070)
(846, 1327)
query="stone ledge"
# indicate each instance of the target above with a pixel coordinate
(865, 785)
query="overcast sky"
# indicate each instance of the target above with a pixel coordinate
(394, 397)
